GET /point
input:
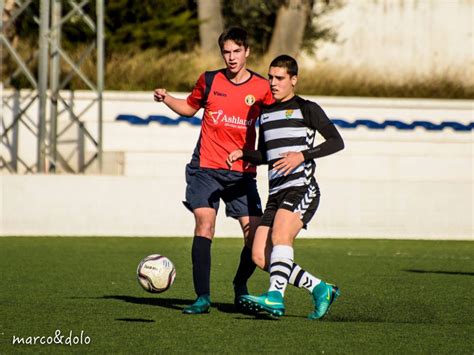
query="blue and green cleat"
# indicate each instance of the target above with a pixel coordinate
(323, 296)
(200, 306)
(239, 291)
(270, 302)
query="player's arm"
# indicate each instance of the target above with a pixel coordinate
(256, 157)
(180, 106)
(259, 156)
(252, 156)
(314, 118)
(317, 119)
(333, 143)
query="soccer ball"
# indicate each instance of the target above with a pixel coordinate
(156, 273)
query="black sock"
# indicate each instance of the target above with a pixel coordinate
(201, 257)
(245, 269)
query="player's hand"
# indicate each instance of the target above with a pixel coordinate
(289, 162)
(159, 95)
(234, 156)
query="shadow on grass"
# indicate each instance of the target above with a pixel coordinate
(136, 320)
(248, 315)
(179, 304)
(439, 272)
(231, 309)
(355, 318)
(173, 303)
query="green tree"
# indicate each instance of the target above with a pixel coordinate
(259, 18)
(129, 25)
(172, 25)
(167, 24)
(211, 25)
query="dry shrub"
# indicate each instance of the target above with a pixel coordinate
(177, 71)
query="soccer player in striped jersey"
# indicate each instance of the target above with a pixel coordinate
(286, 144)
(232, 99)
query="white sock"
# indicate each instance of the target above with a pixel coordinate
(281, 264)
(302, 279)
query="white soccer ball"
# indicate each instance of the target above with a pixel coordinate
(156, 273)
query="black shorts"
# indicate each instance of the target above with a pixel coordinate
(206, 187)
(302, 199)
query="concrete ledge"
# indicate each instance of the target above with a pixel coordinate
(69, 205)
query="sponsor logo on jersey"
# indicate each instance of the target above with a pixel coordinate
(219, 116)
(249, 100)
(288, 114)
(216, 115)
(217, 93)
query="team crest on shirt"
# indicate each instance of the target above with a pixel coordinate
(288, 114)
(249, 100)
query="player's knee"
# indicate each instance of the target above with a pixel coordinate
(259, 259)
(205, 229)
(281, 239)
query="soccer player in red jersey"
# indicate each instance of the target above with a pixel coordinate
(232, 99)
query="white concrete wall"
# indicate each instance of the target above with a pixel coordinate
(385, 184)
(403, 37)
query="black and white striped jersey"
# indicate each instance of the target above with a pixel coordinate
(291, 126)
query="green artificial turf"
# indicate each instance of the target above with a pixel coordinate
(396, 297)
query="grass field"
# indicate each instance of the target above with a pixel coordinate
(397, 297)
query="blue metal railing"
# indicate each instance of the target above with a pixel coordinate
(429, 126)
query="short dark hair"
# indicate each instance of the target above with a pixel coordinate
(236, 34)
(285, 61)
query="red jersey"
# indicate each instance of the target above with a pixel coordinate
(230, 113)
